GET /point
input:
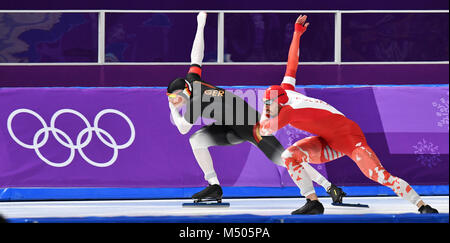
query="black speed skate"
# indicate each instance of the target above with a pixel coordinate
(336, 194)
(427, 209)
(208, 197)
(311, 207)
(211, 193)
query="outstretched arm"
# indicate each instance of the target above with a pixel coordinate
(194, 73)
(182, 125)
(198, 47)
(292, 64)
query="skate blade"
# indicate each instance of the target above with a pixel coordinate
(350, 205)
(207, 204)
(208, 199)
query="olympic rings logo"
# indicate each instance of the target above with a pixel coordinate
(67, 141)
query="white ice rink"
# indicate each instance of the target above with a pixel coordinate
(253, 206)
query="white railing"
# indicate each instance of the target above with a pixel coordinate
(220, 36)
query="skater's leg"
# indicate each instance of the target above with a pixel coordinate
(295, 158)
(272, 148)
(371, 167)
(319, 152)
(316, 150)
(200, 142)
(203, 139)
(205, 162)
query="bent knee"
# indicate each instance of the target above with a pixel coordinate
(288, 157)
(199, 141)
(295, 155)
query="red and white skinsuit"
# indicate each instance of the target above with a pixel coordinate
(336, 134)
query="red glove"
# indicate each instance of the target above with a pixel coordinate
(301, 25)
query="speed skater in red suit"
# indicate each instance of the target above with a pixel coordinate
(336, 135)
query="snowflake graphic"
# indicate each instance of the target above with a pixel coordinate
(427, 153)
(442, 111)
(295, 135)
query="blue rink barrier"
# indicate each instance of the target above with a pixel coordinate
(249, 218)
(35, 194)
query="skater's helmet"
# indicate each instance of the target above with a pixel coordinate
(180, 84)
(275, 93)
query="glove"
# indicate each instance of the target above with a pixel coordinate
(301, 25)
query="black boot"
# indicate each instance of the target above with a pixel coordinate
(211, 193)
(311, 207)
(336, 193)
(427, 209)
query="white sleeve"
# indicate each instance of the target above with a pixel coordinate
(198, 46)
(182, 125)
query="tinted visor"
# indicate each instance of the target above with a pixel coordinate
(269, 102)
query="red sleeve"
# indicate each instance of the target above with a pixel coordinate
(292, 63)
(269, 126)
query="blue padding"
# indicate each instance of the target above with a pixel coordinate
(23, 194)
(249, 218)
(266, 86)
